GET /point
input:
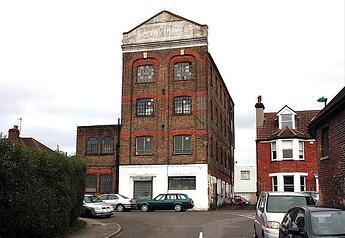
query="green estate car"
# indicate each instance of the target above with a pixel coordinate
(172, 201)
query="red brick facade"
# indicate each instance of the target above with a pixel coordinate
(272, 138)
(99, 163)
(209, 95)
(331, 167)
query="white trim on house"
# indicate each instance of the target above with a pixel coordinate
(280, 180)
(287, 111)
(295, 149)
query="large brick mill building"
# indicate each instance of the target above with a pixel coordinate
(285, 151)
(328, 127)
(177, 130)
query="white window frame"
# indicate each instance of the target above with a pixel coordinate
(286, 110)
(301, 150)
(280, 180)
(284, 147)
(245, 175)
(274, 149)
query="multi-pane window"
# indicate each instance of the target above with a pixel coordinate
(325, 142)
(287, 149)
(145, 73)
(286, 120)
(183, 144)
(107, 146)
(183, 105)
(288, 183)
(274, 183)
(183, 71)
(182, 183)
(144, 145)
(303, 183)
(90, 183)
(145, 107)
(245, 175)
(301, 150)
(274, 150)
(92, 146)
(106, 183)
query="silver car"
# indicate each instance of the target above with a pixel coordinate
(93, 206)
(119, 202)
(271, 208)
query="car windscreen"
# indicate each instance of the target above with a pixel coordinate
(92, 199)
(328, 223)
(282, 203)
(123, 196)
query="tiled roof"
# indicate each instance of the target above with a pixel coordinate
(33, 144)
(270, 129)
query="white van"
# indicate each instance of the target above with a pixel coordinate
(271, 208)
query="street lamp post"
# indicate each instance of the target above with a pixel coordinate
(322, 99)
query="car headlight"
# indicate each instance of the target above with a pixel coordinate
(273, 224)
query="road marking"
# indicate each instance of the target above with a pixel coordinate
(200, 234)
(248, 216)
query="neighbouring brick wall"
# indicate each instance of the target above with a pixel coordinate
(332, 170)
(97, 164)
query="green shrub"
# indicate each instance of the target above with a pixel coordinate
(40, 193)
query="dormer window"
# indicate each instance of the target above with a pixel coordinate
(286, 120)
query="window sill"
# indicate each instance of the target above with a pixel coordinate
(182, 114)
(144, 82)
(148, 154)
(182, 153)
(324, 158)
(145, 115)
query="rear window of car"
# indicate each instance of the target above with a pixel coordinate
(281, 204)
(181, 196)
(326, 223)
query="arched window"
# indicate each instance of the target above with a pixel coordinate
(183, 71)
(92, 146)
(107, 146)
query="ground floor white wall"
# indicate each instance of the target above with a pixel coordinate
(203, 195)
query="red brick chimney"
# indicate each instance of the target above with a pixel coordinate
(259, 112)
(13, 134)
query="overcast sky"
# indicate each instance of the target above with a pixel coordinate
(61, 61)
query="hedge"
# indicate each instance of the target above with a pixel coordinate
(40, 192)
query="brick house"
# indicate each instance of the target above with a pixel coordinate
(97, 146)
(177, 130)
(14, 135)
(328, 127)
(285, 151)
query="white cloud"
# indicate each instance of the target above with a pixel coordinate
(61, 61)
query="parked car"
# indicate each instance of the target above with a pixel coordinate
(172, 201)
(313, 222)
(315, 195)
(239, 201)
(271, 208)
(93, 206)
(118, 201)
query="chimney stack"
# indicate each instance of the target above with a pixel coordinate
(259, 112)
(13, 134)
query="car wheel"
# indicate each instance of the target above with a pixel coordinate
(88, 213)
(120, 208)
(144, 208)
(178, 208)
